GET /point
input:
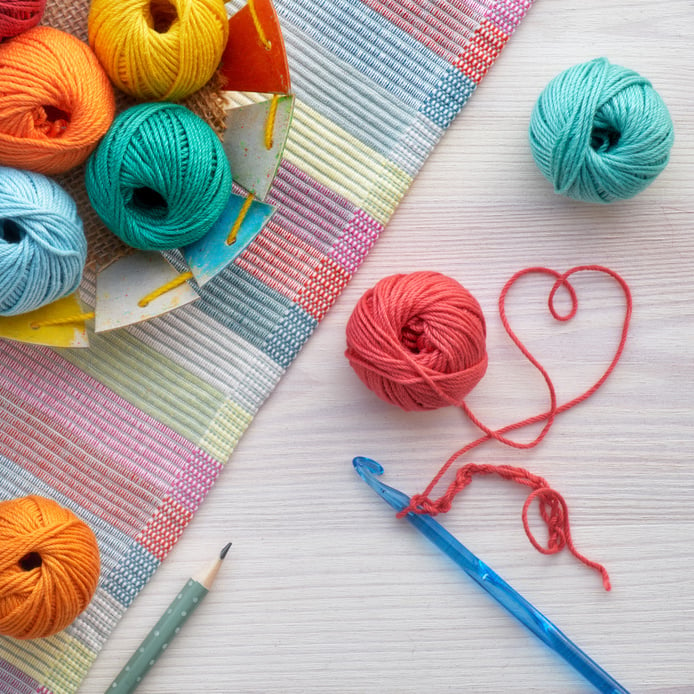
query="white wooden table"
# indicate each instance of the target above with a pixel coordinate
(324, 590)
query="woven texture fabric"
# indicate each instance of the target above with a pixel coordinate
(131, 433)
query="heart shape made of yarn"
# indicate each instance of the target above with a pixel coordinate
(561, 281)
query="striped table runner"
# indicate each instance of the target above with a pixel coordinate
(132, 433)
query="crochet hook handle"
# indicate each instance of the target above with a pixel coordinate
(502, 592)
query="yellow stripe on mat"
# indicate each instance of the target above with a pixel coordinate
(340, 162)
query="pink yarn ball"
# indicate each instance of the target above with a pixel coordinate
(16, 16)
(418, 341)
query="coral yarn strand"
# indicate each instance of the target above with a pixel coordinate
(553, 509)
(561, 280)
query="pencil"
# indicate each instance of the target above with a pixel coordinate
(170, 623)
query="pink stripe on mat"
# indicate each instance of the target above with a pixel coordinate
(63, 395)
(356, 242)
(119, 465)
(73, 474)
(506, 17)
(441, 26)
(280, 260)
(170, 519)
(86, 442)
(195, 480)
(13, 679)
(315, 224)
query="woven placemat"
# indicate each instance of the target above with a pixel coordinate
(131, 433)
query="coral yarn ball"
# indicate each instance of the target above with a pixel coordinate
(49, 567)
(159, 50)
(16, 16)
(418, 341)
(55, 103)
(600, 132)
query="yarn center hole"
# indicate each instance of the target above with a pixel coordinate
(10, 231)
(163, 15)
(149, 201)
(30, 561)
(413, 336)
(54, 120)
(603, 139)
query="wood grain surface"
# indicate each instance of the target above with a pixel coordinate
(324, 590)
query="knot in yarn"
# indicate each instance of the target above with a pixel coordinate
(159, 49)
(160, 177)
(56, 102)
(418, 341)
(600, 132)
(16, 16)
(49, 567)
(43, 249)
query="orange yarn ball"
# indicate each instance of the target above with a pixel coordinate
(418, 341)
(56, 101)
(49, 567)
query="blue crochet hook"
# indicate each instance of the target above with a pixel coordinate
(528, 615)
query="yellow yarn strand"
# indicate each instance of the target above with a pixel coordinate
(234, 232)
(259, 27)
(66, 320)
(175, 282)
(270, 122)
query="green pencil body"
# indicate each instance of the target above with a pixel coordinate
(161, 634)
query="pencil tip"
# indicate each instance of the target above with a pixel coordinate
(225, 551)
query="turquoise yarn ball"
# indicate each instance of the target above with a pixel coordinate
(160, 178)
(600, 132)
(43, 249)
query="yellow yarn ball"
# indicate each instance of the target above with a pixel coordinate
(49, 567)
(159, 50)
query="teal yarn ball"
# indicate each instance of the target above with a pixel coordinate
(43, 249)
(159, 179)
(600, 132)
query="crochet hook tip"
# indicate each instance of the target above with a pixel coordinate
(370, 470)
(366, 467)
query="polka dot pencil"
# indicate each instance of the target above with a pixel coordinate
(170, 623)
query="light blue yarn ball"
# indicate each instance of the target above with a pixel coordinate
(43, 249)
(600, 132)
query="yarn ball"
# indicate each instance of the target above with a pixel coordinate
(43, 248)
(16, 16)
(56, 101)
(159, 50)
(160, 177)
(49, 567)
(418, 341)
(600, 132)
